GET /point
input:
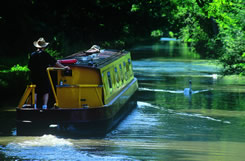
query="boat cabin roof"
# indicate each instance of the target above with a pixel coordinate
(96, 60)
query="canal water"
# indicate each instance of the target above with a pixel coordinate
(168, 123)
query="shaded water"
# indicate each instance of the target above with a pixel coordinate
(166, 124)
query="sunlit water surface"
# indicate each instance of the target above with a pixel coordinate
(167, 123)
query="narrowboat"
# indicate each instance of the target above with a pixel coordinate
(88, 100)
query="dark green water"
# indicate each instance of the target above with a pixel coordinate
(167, 124)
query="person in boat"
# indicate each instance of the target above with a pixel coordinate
(93, 49)
(38, 63)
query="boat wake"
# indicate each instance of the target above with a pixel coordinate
(49, 147)
(145, 104)
(45, 140)
(46, 147)
(171, 91)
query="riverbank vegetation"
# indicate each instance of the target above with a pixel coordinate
(213, 28)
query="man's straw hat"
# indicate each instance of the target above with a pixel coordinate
(40, 43)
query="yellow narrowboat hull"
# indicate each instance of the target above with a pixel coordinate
(89, 100)
(88, 122)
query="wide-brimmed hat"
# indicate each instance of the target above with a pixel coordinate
(40, 43)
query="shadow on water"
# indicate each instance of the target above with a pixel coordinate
(7, 121)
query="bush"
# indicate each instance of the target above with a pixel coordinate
(13, 82)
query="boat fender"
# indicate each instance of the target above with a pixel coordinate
(68, 61)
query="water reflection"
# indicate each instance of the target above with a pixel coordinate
(165, 125)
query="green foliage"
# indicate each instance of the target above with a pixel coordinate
(214, 28)
(16, 68)
(233, 48)
(156, 33)
(117, 44)
(171, 34)
(14, 80)
(53, 53)
(219, 9)
(19, 68)
(135, 8)
(232, 35)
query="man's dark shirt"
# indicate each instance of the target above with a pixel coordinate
(38, 63)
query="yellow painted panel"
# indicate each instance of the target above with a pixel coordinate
(91, 97)
(79, 96)
(68, 97)
(81, 75)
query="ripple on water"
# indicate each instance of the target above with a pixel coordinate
(182, 113)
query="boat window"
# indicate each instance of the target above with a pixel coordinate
(105, 82)
(121, 72)
(116, 75)
(109, 79)
(129, 67)
(125, 70)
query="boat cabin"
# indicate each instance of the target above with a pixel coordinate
(92, 81)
